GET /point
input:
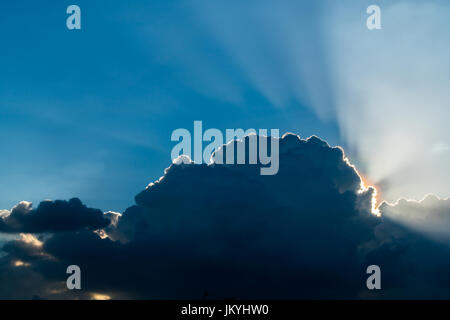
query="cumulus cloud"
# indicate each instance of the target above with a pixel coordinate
(386, 90)
(413, 266)
(226, 230)
(51, 216)
(430, 215)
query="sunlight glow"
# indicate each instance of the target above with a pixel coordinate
(19, 263)
(364, 187)
(99, 296)
(30, 239)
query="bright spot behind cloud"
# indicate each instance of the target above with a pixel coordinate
(392, 97)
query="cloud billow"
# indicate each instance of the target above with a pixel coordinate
(52, 216)
(430, 216)
(225, 230)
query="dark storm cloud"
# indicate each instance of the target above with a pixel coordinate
(307, 232)
(413, 265)
(52, 216)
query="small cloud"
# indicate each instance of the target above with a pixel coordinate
(52, 216)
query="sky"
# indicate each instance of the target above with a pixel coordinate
(88, 114)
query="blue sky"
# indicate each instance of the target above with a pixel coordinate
(89, 113)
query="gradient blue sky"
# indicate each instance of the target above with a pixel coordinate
(89, 113)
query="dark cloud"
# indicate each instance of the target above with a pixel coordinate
(307, 232)
(52, 216)
(413, 265)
